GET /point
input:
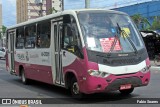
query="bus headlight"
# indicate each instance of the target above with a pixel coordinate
(98, 73)
(145, 69)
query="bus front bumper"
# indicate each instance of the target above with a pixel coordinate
(113, 82)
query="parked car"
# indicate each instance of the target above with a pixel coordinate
(2, 52)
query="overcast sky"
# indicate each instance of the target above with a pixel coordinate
(9, 7)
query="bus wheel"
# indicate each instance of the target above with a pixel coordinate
(127, 91)
(23, 77)
(75, 89)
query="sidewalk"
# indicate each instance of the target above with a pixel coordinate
(152, 63)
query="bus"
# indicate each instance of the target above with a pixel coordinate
(86, 51)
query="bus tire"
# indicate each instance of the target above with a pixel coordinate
(75, 89)
(127, 91)
(23, 77)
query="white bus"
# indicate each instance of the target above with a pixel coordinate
(86, 51)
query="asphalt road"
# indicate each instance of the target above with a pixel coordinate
(11, 87)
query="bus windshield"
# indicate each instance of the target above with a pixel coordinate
(109, 32)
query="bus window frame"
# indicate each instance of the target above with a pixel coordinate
(35, 24)
(38, 35)
(16, 37)
(79, 48)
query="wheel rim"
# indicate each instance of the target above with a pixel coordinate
(75, 88)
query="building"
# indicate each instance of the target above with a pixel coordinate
(28, 9)
(53, 6)
(148, 9)
(57, 4)
(31, 9)
(0, 24)
(0, 18)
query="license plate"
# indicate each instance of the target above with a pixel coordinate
(127, 86)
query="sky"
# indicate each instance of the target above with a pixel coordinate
(9, 7)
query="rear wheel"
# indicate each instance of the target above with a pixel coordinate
(23, 77)
(127, 91)
(75, 91)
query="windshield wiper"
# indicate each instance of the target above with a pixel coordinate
(125, 35)
(115, 39)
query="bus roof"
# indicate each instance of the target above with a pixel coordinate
(58, 14)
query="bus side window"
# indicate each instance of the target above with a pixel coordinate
(71, 40)
(44, 30)
(20, 38)
(30, 36)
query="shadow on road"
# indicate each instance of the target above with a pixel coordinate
(61, 95)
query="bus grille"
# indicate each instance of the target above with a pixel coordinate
(123, 61)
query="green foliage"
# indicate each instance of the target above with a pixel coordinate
(3, 31)
(52, 10)
(156, 23)
(141, 22)
(137, 19)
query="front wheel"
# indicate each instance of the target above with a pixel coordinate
(75, 91)
(127, 91)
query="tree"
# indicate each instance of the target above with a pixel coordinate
(52, 10)
(141, 22)
(156, 23)
(3, 31)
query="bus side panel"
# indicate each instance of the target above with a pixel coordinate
(36, 72)
(41, 73)
(35, 63)
(78, 68)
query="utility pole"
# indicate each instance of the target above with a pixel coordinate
(62, 5)
(41, 8)
(40, 4)
(87, 4)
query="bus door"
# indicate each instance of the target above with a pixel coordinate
(11, 36)
(57, 52)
